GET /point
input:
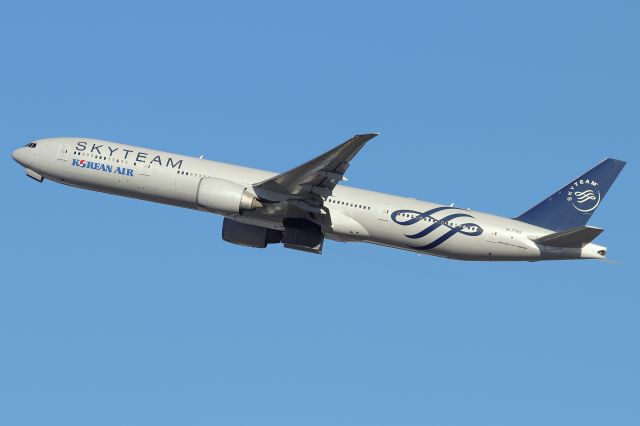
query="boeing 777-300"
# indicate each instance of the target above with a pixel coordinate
(303, 206)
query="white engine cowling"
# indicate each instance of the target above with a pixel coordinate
(223, 196)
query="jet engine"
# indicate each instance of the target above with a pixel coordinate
(225, 197)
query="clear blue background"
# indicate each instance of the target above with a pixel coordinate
(119, 312)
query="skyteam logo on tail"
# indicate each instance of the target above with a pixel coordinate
(584, 195)
(431, 224)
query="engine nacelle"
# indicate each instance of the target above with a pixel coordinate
(223, 196)
(248, 235)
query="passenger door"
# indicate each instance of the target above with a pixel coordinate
(143, 169)
(384, 212)
(63, 152)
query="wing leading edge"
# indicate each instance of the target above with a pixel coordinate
(319, 176)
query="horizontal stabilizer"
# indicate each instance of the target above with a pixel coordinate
(571, 238)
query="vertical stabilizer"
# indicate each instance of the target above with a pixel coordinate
(573, 205)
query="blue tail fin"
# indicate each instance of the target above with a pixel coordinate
(573, 205)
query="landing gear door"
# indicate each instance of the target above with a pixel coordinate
(384, 212)
(63, 152)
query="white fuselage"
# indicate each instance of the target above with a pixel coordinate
(356, 214)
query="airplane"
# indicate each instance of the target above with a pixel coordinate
(301, 207)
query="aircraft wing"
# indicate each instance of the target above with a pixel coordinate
(315, 178)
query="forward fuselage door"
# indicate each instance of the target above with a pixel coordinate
(63, 152)
(141, 173)
(143, 169)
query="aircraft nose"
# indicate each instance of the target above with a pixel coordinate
(19, 156)
(25, 155)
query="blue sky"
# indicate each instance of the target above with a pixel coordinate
(119, 312)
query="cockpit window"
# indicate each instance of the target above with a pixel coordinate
(30, 145)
